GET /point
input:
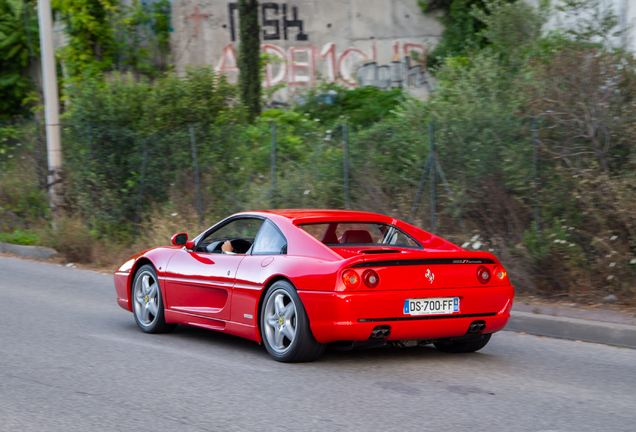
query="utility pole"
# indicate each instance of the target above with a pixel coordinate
(51, 105)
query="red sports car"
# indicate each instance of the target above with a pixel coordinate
(297, 280)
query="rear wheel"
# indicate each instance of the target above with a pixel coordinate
(464, 346)
(148, 303)
(285, 327)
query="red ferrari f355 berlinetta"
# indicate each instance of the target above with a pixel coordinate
(297, 280)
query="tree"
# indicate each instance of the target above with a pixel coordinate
(90, 37)
(107, 35)
(249, 61)
(461, 28)
(19, 44)
(585, 100)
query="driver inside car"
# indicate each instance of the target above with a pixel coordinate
(269, 240)
(227, 248)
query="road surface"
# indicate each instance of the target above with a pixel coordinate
(72, 360)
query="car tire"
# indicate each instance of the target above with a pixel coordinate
(284, 326)
(147, 302)
(464, 346)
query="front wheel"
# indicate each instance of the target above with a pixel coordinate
(148, 303)
(285, 327)
(464, 346)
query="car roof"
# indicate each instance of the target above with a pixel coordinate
(287, 218)
(300, 216)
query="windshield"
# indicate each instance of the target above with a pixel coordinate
(360, 234)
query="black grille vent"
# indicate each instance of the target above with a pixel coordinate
(432, 261)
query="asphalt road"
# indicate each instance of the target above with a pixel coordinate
(71, 359)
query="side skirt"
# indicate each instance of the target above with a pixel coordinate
(242, 330)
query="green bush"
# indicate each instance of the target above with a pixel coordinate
(19, 46)
(566, 228)
(23, 198)
(111, 124)
(360, 105)
(20, 238)
(72, 239)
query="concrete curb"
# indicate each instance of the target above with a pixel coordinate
(28, 251)
(573, 328)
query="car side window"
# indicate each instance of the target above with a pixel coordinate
(269, 241)
(240, 232)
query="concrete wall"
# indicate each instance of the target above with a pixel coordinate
(625, 11)
(351, 42)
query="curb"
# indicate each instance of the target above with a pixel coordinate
(621, 335)
(28, 251)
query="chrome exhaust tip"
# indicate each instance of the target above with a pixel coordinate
(476, 327)
(381, 332)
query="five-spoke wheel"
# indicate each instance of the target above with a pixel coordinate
(146, 298)
(285, 327)
(280, 319)
(147, 302)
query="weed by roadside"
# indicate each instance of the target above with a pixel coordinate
(19, 237)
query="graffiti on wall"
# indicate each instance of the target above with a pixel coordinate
(272, 22)
(305, 64)
(352, 67)
(196, 17)
(400, 73)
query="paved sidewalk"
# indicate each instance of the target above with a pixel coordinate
(28, 251)
(584, 313)
(588, 325)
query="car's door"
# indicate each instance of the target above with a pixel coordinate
(199, 281)
(270, 245)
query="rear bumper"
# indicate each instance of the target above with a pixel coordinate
(337, 316)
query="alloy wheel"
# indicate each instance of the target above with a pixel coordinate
(280, 321)
(146, 298)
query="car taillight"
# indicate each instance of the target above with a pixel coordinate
(371, 278)
(499, 273)
(350, 279)
(483, 274)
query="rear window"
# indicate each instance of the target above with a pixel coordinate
(359, 233)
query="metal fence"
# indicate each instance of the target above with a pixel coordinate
(114, 175)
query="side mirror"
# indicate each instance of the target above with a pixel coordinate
(179, 239)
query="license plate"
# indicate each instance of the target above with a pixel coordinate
(431, 306)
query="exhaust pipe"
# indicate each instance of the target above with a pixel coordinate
(381, 332)
(476, 327)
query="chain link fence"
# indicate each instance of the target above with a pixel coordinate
(114, 175)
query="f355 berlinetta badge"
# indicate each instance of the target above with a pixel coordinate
(430, 276)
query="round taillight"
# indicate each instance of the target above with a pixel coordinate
(350, 279)
(371, 278)
(483, 274)
(499, 273)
